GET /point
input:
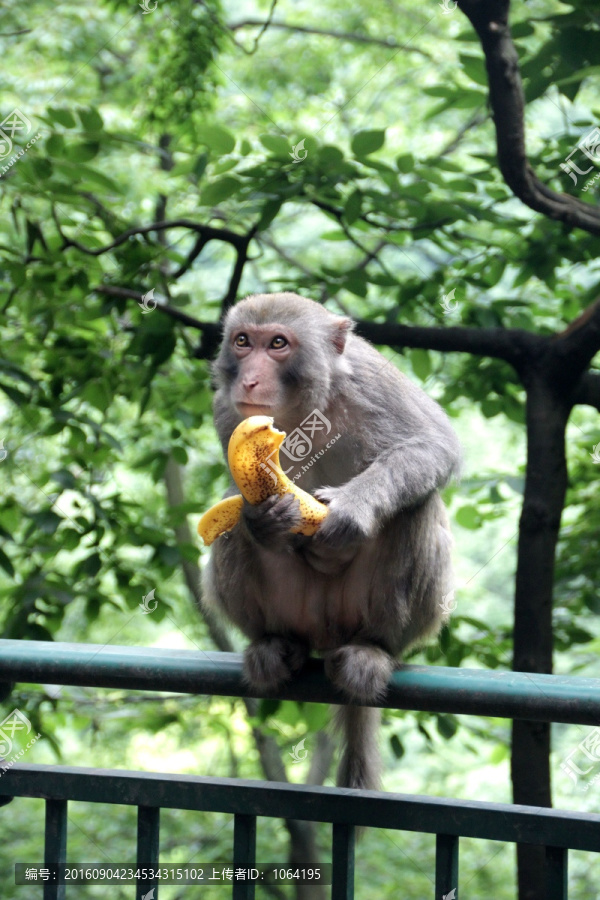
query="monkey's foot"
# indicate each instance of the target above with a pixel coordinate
(361, 671)
(271, 660)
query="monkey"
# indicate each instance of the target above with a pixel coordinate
(376, 449)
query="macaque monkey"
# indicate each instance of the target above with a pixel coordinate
(372, 580)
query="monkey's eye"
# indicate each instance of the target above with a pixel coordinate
(279, 342)
(241, 340)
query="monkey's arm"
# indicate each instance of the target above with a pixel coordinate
(421, 459)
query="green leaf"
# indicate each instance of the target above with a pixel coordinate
(82, 152)
(46, 521)
(468, 517)
(55, 145)
(366, 142)
(420, 361)
(179, 455)
(6, 563)
(99, 178)
(352, 209)
(267, 708)
(96, 393)
(405, 163)
(276, 144)
(65, 478)
(62, 116)
(397, 746)
(217, 138)
(447, 725)
(269, 212)
(491, 407)
(219, 190)
(474, 67)
(90, 566)
(69, 539)
(90, 119)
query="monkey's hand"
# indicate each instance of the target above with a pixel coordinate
(340, 535)
(270, 522)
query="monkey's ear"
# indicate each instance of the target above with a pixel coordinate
(341, 330)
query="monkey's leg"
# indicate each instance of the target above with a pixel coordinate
(270, 660)
(361, 671)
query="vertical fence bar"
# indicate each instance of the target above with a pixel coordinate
(446, 866)
(557, 859)
(244, 854)
(342, 859)
(55, 844)
(148, 833)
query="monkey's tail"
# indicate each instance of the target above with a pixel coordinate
(360, 765)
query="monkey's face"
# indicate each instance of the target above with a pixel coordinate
(261, 363)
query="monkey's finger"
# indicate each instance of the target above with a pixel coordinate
(253, 455)
(273, 518)
(221, 517)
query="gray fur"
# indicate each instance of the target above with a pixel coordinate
(371, 582)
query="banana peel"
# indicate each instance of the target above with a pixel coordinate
(253, 455)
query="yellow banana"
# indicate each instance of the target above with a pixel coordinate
(220, 518)
(253, 455)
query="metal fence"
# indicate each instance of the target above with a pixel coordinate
(436, 689)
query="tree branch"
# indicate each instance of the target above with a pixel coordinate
(588, 390)
(579, 342)
(351, 36)
(513, 345)
(490, 20)
(238, 271)
(211, 332)
(207, 231)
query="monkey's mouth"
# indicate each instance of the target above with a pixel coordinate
(253, 409)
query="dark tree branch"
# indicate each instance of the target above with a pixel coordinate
(199, 245)
(490, 20)
(588, 390)
(365, 217)
(211, 332)
(238, 271)
(513, 345)
(579, 342)
(209, 233)
(351, 36)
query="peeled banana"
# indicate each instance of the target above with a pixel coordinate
(253, 455)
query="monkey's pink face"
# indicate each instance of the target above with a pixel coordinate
(263, 354)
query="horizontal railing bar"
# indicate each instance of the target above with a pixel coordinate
(405, 812)
(518, 695)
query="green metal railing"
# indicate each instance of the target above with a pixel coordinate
(437, 689)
